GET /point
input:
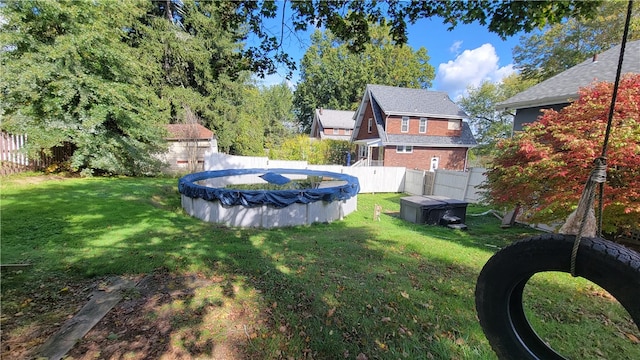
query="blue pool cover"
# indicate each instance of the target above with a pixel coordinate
(276, 198)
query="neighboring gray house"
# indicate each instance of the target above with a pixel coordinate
(412, 128)
(560, 90)
(332, 124)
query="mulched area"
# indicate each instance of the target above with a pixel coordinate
(141, 327)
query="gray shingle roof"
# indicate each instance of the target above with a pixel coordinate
(564, 87)
(416, 102)
(466, 139)
(336, 118)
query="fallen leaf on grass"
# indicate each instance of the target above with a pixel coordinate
(404, 294)
(381, 345)
(634, 339)
(331, 312)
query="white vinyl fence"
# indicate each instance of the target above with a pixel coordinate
(10, 149)
(459, 185)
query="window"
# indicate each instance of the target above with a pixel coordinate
(347, 131)
(363, 151)
(405, 149)
(336, 131)
(423, 125)
(405, 124)
(370, 125)
(454, 125)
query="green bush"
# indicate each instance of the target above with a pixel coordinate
(314, 151)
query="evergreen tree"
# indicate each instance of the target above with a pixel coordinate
(67, 75)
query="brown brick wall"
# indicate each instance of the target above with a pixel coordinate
(363, 132)
(435, 127)
(329, 131)
(420, 158)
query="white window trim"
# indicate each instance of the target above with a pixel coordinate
(404, 149)
(336, 131)
(454, 125)
(402, 129)
(423, 126)
(370, 125)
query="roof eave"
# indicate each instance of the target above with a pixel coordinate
(414, 114)
(537, 102)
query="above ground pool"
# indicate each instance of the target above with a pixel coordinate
(268, 197)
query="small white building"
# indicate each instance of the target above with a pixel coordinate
(188, 144)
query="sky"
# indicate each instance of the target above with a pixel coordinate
(465, 56)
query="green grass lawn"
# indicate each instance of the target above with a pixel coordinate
(387, 289)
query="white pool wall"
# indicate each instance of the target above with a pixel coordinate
(266, 216)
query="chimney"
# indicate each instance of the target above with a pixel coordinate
(320, 111)
(595, 58)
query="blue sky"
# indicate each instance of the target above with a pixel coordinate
(467, 55)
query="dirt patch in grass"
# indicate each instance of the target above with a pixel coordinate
(161, 318)
(155, 320)
(32, 314)
(37, 179)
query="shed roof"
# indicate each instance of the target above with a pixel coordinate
(188, 131)
(563, 88)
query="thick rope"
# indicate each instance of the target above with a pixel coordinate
(599, 172)
(585, 205)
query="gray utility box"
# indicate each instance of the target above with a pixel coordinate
(431, 209)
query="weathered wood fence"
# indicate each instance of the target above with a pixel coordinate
(13, 158)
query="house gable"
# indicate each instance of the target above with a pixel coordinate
(411, 126)
(332, 124)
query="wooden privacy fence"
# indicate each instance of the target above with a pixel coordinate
(13, 159)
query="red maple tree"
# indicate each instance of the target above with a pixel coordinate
(545, 167)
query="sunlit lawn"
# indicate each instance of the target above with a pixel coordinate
(387, 289)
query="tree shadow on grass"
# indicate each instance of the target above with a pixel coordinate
(322, 291)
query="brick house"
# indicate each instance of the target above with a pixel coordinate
(332, 124)
(412, 128)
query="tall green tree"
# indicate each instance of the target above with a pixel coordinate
(334, 77)
(67, 75)
(280, 122)
(350, 21)
(558, 47)
(106, 77)
(488, 124)
(197, 65)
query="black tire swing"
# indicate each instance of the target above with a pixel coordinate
(501, 282)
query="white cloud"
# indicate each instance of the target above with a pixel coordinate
(472, 67)
(455, 47)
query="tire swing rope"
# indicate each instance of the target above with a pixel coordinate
(500, 286)
(599, 172)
